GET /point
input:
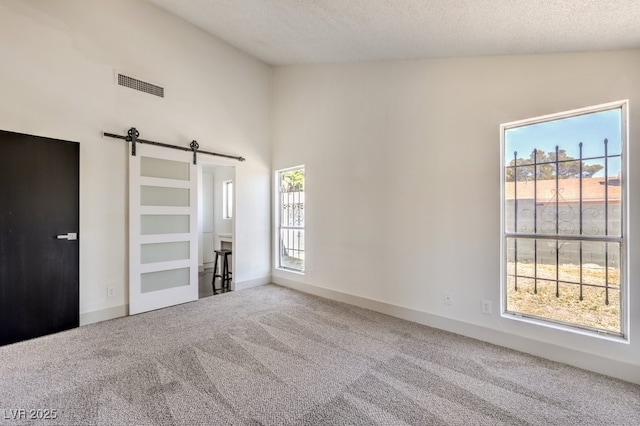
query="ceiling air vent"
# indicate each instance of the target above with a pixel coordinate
(139, 85)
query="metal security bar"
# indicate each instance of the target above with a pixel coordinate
(563, 230)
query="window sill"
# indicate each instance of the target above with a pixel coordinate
(291, 271)
(566, 328)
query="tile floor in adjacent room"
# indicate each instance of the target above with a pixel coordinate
(204, 283)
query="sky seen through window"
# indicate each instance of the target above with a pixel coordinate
(590, 129)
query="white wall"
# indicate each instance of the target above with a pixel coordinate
(57, 80)
(403, 184)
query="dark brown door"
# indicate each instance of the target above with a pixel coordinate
(39, 260)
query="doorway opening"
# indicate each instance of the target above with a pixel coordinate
(216, 225)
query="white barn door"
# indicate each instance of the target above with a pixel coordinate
(163, 228)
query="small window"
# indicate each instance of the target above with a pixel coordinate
(564, 233)
(227, 199)
(290, 214)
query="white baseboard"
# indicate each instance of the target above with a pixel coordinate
(204, 266)
(123, 310)
(104, 314)
(596, 363)
(252, 283)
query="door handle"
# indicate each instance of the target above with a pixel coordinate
(70, 236)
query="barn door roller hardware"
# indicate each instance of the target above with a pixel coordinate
(133, 137)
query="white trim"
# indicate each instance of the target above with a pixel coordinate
(113, 312)
(256, 282)
(225, 199)
(289, 271)
(625, 275)
(565, 114)
(624, 255)
(203, 162)
(288, 169)
(584, 331)
(596, 363)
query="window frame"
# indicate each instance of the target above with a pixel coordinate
(227, 204)
(278, 225)
(623, 336)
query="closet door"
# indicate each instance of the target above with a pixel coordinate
(163, 229)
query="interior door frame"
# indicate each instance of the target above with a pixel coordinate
(204, 161)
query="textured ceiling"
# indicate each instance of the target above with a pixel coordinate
(315, 31)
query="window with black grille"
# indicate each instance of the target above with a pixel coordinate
(563, 205)
(290, 214)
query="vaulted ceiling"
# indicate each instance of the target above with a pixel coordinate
(317, 31)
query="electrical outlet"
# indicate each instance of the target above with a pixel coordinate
(448, 299)
(486, 306)
(111, 292)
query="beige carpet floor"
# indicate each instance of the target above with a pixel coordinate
(274, 356)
